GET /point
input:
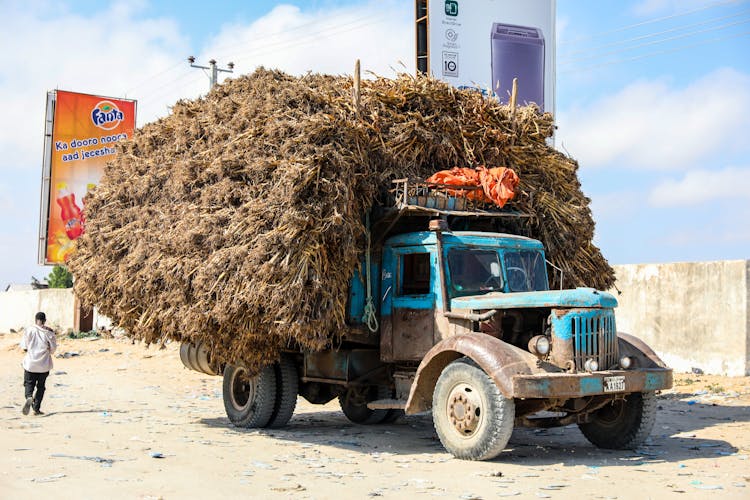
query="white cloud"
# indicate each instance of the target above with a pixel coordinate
(650, 124)
(379, 33)
(700, 186)
(46, 47)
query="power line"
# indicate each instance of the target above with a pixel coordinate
(288, 44)
(658, 33)
(655, 42)
(649, 21)
(651, 54)
(152, 77)
(310, 36)
(280, 33)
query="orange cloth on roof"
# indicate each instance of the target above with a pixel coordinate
(498, 184)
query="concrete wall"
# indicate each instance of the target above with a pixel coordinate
(17, 309)
(694, 315)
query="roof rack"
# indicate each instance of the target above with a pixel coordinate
(418, 197)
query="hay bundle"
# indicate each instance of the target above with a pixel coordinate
(237, 220)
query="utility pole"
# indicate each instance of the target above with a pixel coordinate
(214, 69)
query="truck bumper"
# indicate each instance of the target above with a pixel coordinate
(575, 385)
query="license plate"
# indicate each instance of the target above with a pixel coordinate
(614, 384)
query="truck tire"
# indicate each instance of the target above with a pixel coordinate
(472, 418)
(249, 401)
(287, 387)
(624, 424)
(354, 404)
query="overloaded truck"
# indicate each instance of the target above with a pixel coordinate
(447, 315)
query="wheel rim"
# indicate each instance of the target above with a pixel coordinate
(464, 410)
(242, 391)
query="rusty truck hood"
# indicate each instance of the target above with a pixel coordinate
(578, 297)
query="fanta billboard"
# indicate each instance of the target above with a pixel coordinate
(81, 137)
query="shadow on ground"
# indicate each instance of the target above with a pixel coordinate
(671, 439)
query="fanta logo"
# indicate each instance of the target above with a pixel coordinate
(107, 115)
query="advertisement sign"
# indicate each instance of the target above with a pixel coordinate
(488, 43)
(80, 138)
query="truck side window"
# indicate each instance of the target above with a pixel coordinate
(414, 274)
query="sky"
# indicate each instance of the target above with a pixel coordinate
(652, 98)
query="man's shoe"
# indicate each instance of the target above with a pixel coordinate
(27, 406)
(38, 412)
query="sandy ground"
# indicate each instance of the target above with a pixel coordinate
(123, 421)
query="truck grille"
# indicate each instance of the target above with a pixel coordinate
(594, 336)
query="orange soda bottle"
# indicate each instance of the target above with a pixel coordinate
(70, 212)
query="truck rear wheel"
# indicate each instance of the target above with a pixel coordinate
(354, 404)
(249, 401)
(624, 424)
(287, 387)
(472, 418)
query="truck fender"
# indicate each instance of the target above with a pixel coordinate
(634, 347)
(498, 359)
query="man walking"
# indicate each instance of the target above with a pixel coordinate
(39, 342)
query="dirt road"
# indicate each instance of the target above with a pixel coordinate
(123, 421)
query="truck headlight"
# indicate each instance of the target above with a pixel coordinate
(539, 345)
(626, 362)
(591, 365)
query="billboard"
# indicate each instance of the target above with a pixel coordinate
(488, 43)
(81, 133)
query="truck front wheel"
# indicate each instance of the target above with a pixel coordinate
(472, 418)
(249, 401)
(623, 424)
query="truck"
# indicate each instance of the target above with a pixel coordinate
(447, 314)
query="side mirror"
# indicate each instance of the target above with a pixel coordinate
(495, 269)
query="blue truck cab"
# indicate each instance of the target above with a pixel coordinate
(462, 323)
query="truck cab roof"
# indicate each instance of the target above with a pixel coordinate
(472, 238)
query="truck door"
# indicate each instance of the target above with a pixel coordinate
(408, 308)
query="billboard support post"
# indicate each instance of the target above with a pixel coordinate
(49, 119)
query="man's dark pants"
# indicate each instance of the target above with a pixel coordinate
(30, 380)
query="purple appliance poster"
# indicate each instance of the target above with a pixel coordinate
(485, 44)
(518, 52)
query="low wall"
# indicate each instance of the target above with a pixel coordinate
(17, 309)
(694, 315)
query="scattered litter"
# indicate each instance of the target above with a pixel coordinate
(708, 486)
(99, 460)
(297, 487)
(156, 454)
(48, 479)
(68, 354)
(553, 487)
(696, 371)
(59, 372)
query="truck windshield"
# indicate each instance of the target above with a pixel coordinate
(474, 270)
(525, 271)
